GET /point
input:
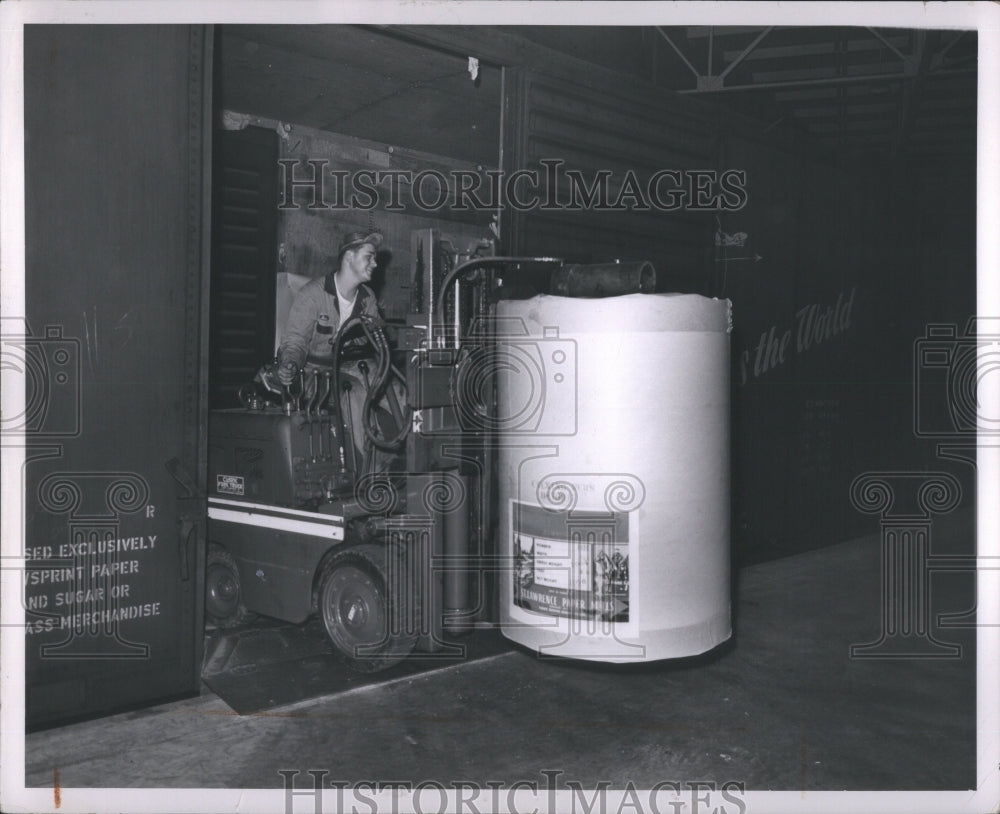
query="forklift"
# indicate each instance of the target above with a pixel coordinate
(381, 523)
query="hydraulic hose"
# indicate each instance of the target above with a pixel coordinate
(475, 263)
(383, 372)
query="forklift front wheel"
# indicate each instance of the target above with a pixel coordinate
(223, 603)
(366, 609)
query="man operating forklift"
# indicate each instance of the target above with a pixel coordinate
(324, 304)
(321, 308)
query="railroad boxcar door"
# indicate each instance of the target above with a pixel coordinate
(114, 352)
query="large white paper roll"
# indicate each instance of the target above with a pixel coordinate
(614, 475)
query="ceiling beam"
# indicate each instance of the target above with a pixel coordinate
(803, 83)
(887, 44)
(855, 47)
(938, 60)
(812, 83)
(694, 32)
(826, 72)
(746, 51)
(707, 81)
(677, 51)
(921, 59)
(710, 39)
(808, 95)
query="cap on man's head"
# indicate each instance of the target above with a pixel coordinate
(354, 239)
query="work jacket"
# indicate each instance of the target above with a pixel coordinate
(315, 318)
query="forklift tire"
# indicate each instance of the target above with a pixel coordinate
(369, 633)
(223, 603)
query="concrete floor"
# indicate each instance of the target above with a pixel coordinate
(782, 706)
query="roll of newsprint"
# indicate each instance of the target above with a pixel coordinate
(613, 419)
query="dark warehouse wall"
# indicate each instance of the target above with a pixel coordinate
(850, 262)
(840, 404)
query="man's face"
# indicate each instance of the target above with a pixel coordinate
(361, 262)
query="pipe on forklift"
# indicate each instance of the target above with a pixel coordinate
(603, 279)
(456, 552)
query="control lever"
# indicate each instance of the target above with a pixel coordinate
(319, 410)
(288, 397)
(348, 427)
(313, 392)
(363, 367)
(394, 408)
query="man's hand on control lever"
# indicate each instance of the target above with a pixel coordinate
(287, 372)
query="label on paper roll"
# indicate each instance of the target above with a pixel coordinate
(572, 564)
